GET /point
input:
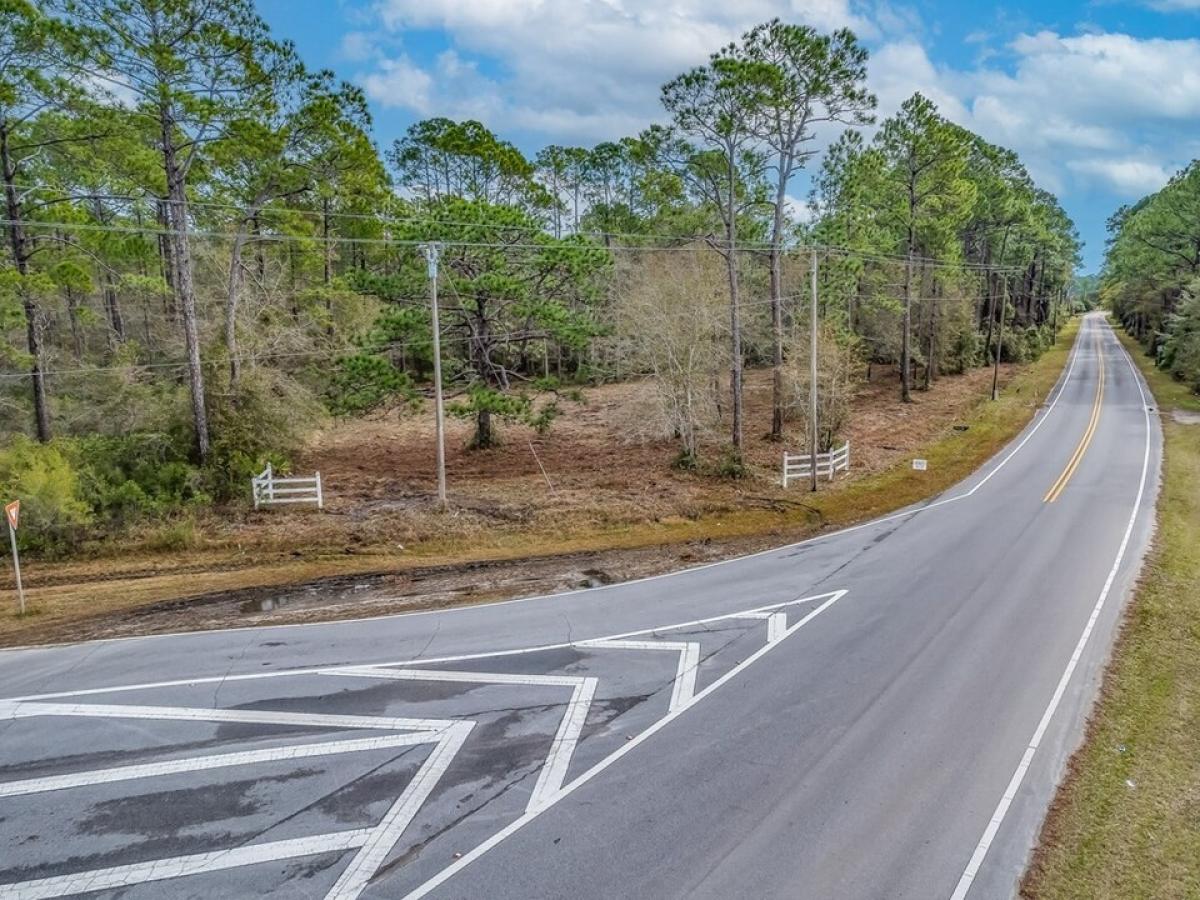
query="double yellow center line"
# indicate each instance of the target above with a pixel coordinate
(1073, 463)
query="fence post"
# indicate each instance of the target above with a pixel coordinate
(785, 468)
(320, 495)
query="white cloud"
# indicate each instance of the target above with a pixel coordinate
(1175, 5)
(1088, 111)
(577, 71)
(399, 82)
(357, 46)
(1127, 177)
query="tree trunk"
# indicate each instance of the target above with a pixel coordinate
(929, 359)
(73, 315)
(328, 255)
(735, 311)
(112, 308)
(184, 289)
(999, 344)
(112, 305)
(231, 305)
(33, 318)
(485, 435)
(906, 329)
(777, 301)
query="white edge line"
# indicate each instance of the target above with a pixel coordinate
(595, 770)
(205, 763)
(1061, 387)
(1014, 784)
(161, 869)
(328, 670)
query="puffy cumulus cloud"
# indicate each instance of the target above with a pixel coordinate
(1102, 111)
(1126, 176)
(1092, 111)
(582, 71)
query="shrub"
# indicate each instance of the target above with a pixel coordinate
(53, 513)
(263, 421)
(131, 476)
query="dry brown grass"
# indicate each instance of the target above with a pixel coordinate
(605, 495)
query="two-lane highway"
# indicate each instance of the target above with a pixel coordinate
(878, 713)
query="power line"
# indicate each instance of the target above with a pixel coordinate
(926, 262)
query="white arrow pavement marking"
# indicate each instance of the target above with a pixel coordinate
(215, 761)
(685, 673)
(450, 871)
(562, 748)
(119, 877)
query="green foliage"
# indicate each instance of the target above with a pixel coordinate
(54, 514)
(1153, 256)
(1181, 350)
(365, 382)
(731, 465)
(482, 403)
(263, 421)
(127, 477)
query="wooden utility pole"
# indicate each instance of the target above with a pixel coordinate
(1000, 339)
(432, 252)
(812, 373)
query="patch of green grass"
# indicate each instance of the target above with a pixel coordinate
(1126, 823)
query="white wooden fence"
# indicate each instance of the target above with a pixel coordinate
(269, 489)
(798, 465)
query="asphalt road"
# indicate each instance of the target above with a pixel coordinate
(878, 713)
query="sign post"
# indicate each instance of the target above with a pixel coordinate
(12, 513)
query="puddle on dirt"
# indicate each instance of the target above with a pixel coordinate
(1185, 417)
(310, 595)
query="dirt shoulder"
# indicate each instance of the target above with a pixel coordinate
(1126, 820)
(595, 500)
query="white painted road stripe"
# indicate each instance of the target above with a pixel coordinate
(160, 869)
(329, 670)
(1014, 784)
(595, 770)
(23, 709)
(562, 748)
(684, 686)
(215, 761)
(383, 837)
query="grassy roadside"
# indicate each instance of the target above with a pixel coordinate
(952, 456)
(1126, 823)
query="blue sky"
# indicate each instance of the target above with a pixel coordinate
(1101, 99)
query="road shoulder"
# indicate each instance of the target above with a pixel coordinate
(1126, 820)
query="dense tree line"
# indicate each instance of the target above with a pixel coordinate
(1151, 276)
(207, 250)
